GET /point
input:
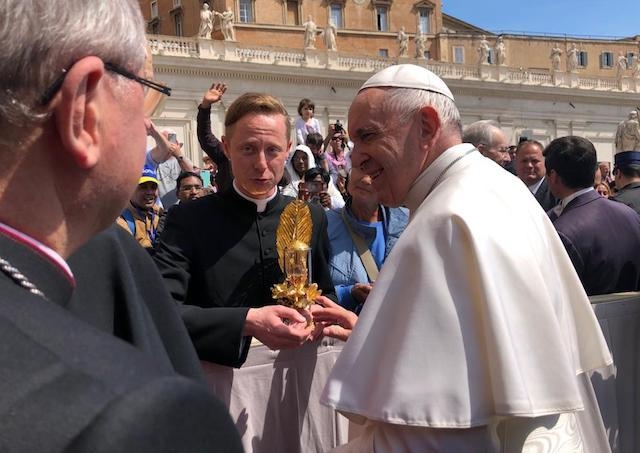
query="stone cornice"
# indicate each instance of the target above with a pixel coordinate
(224, 70)
(317, 66)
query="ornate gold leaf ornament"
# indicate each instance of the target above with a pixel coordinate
(293, 240)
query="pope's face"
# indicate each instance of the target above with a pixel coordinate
(386, 149)
(257, 146)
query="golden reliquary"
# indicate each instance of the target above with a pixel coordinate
(293, 238)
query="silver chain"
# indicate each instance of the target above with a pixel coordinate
(439, 177)
(19, 278)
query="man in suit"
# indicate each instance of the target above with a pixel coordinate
(626, 170)
(530, 169)
(602, 237)
(218, 254)
(74, 125)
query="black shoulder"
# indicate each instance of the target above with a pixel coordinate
(168, 414)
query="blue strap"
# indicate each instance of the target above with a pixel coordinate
(126, 215)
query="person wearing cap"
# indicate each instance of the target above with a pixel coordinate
(457, 347)
(584, 220)
(142, 215)
(626, 170)
(491, 141)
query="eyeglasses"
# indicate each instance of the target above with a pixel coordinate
(502, 149)
(50, 92)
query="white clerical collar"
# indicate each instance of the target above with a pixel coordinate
(535, 186)
(261, 203)
(427, 180)
(566, 200)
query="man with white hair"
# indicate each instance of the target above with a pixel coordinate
(458, 349)
(72, 124)
(488, 137)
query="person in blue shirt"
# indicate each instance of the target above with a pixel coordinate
(361, 235)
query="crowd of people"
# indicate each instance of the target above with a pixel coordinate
(455, 264)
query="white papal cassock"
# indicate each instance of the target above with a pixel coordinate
(477, 319)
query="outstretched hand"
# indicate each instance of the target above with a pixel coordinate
(278, 327)
(337, 321)
(214, 94)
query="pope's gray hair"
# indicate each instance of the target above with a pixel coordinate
(41, 38)
(407, 101)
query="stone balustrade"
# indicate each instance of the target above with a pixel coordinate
(337, 61)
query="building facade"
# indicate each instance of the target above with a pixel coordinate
(592, 85)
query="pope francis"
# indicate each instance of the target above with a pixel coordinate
(477, 335)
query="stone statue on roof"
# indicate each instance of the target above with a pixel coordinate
(483, 50)
(556, 57)
(572, 58)
(310, 33)
(206, 22)
(501, 52)
(330, 36)
(226, 24)
(403, 43)
(628, 134)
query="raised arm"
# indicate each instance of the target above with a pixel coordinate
(164, 149)
(209, 142)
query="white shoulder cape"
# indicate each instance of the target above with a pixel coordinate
(477, 313)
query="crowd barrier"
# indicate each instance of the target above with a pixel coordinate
(618, 394)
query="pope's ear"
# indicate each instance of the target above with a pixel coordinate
(77, 111)
(430, 124)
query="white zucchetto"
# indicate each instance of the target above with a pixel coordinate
(408, 76)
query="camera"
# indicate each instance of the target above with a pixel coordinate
(338, 127)
(310, 191)
(314, 187)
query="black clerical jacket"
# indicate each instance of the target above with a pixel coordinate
(69, 386)
(218, 258)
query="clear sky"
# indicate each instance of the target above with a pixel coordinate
(594, 18)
